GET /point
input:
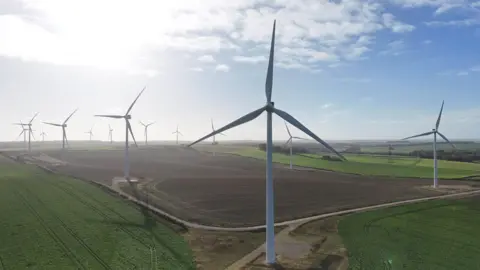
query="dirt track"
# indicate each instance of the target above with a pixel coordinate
(230, 190)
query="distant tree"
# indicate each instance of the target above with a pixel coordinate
(262, 146)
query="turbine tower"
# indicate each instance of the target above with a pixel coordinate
(63, 126)
(110, 133)
(434, 132)
(179, 133)
(90, 132)
(24, 134)
(290, 142)
(128, 128)
(270, 109)
(29, 129)
(146, 130)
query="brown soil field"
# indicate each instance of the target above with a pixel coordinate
(227, 190)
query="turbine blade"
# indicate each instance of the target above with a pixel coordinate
(289, 134)
(300, 138)
(174, 132)
(65, 136)
(288, 140)
(244, 119)
(269, 81)
(20, 134)
(18, 124)
(110, 116)
(141, 123)
(33, 118)
(445, 138)
(133, 103)
(419, 135)
(151, 124)
(31, 133)
(52, 124)
(294, 122)
(179, 133)
(131, 133)
(439, 117)
(213, 129)
(70, 116)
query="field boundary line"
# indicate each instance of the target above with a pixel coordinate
(468, 177)
(189, 224)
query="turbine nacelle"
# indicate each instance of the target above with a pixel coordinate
(128, 117)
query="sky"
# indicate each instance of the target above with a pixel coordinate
(351, 69)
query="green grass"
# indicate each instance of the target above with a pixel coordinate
(432, 235)
(54, 222)
(374, 165)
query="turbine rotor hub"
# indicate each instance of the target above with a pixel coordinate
(128, 117)
(270, 106)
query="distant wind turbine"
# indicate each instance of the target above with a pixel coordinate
(270, 109)
(110, 134)
(43, 134)
(90, 132)
(434, 132)
(213, 130)
(63, 126)
(178, 133)
(29, 129)
(24, 134)
(290, 142)
(146, 130)
(128, 128)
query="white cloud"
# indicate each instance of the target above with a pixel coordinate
(396, 26)
(394, 48)
(250, 59)
(457, 23)
(440, 6)
(222, 68)
(207, 58)
(310, 31)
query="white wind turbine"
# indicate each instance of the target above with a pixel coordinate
(213, 130)
(63, 126)
(270, 109)
(110, 133)
(29, 129)
(290, 142)
(434, 132)
(146, 130)
(178, 133)
(90, 132)
(43, 134)
(128, 128)
(24, 133)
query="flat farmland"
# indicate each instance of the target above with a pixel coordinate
(227, 190)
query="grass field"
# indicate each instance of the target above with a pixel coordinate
(399, 166)
(55, 222)
(431, 235)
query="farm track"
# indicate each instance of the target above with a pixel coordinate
(70, 231)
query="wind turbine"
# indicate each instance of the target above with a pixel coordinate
(146, 130)
(434, 132)
(110, 133)
(29, 129)
(90, 132)
(63, 126)
(213, 130)
(128, 128)
(270, 109)
(179, 133)
(290, 142)
(43, 134)
(23, 132)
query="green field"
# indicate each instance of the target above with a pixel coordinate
(398, 166)
(54, 222)
(432, 235)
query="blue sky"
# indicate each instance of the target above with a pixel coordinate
(346, 69)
